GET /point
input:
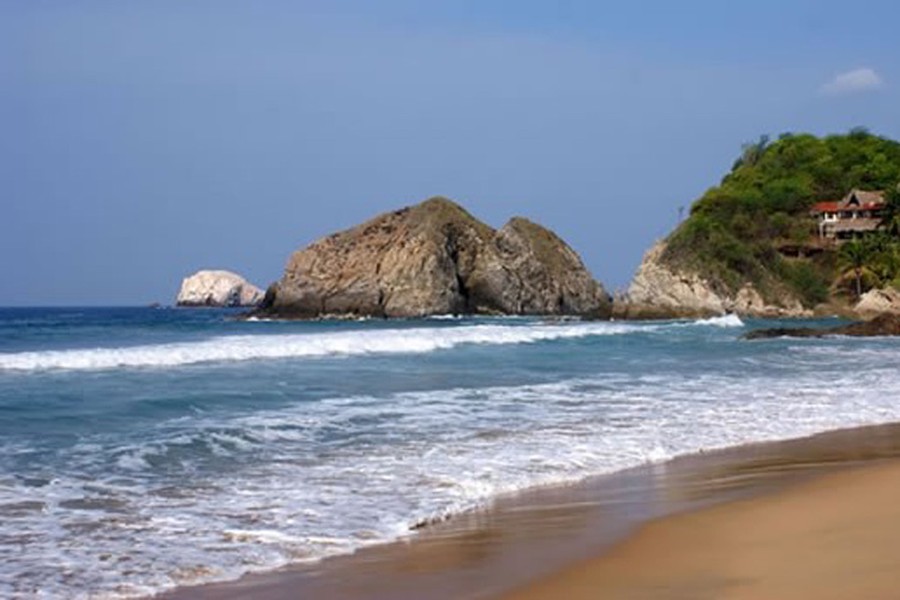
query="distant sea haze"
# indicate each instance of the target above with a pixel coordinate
(144, 449)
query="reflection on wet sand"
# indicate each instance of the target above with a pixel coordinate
(529, 536)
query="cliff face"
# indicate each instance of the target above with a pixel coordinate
(660, 290)
(435, 258)
(527, 269)
(217, 288)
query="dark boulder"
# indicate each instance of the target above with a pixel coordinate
(882, 325)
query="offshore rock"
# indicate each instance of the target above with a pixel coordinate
(887, 324)
(217, 288)
(435, 258)
(660, 291)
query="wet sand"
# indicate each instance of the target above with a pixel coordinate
(551, 542)
(835, 537)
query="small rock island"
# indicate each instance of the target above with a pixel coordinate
(435, 258)
(217, 288)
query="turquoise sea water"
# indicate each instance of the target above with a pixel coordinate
(142, 449)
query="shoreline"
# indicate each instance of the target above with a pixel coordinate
(530, 538)
(835, 536)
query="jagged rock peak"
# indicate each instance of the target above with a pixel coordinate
(436, 258)
(217, 288)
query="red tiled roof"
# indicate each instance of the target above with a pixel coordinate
(821, 207)
(837, 206)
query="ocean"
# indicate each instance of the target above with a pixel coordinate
(143, 449)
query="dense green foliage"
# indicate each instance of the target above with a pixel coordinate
(735, 231)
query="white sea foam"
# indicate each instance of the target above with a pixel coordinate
(729, 320)
(310, 345)
(420, 456)
(212, 495)
(256, 347)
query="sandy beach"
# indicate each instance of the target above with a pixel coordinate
(809, 518)
(837, 536)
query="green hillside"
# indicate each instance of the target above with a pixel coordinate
(755, 225)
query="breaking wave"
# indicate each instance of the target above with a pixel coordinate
(729, 320)
(255, 347)
(416, 340)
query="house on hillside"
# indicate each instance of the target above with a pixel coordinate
(857, 214)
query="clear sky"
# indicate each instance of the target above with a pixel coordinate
(141, 141)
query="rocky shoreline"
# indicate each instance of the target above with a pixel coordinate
(660, 291)
(434, 258)
(883, 325)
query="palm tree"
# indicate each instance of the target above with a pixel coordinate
(854, 255)
(888, 263)
(890, 216)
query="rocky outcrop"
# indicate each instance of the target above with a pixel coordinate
(435, 258)
(659, 290)
(217, 288)
(882, 325)
(876, 302)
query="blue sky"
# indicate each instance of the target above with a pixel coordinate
(143, 141)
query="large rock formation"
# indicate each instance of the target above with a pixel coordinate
(660, 290)
(217, 288)
(435, 258)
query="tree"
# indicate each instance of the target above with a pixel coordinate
(853, 255)
(734, 233)
(751, 152)
(886, 263)
(890, 216)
